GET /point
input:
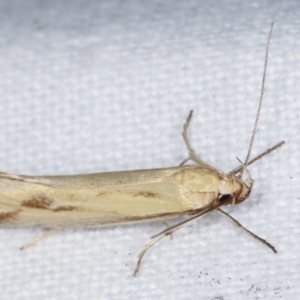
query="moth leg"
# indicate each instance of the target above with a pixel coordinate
(142, 253)
(162, 234)
(175, 227)
(39, 237)
(192, 155)
(168, 226)
(240, 226)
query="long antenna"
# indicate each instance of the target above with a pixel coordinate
(260, 99)
(253, 160)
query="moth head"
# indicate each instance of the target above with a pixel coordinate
(236, 187)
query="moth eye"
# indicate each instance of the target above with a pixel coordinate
(224, 198)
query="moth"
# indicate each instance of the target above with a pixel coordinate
(92, 200)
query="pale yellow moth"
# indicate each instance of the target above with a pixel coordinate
(92, 200)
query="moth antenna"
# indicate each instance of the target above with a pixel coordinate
(260, 100)
(258, 157)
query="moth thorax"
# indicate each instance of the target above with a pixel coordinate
(231, 185)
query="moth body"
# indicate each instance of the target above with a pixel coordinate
(112, 198)
(92, 200)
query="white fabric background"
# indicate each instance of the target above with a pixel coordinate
(92, 86)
